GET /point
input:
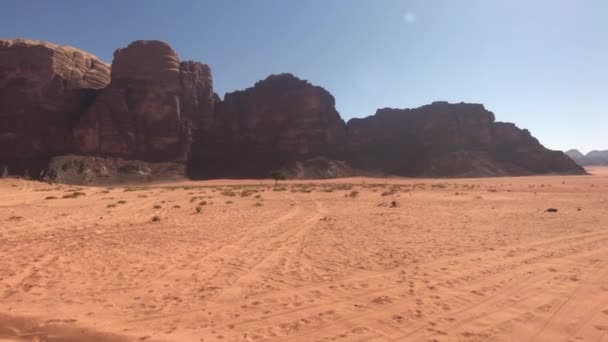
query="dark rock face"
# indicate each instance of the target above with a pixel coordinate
(150, 107)
(445, 139)
(43, 89)
(279, 120)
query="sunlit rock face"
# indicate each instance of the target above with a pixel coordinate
(44, 87)
(150, 108)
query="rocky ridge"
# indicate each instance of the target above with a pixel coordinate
(153, 108)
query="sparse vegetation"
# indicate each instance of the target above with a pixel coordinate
(155, 218)
(50, 198)
(121, 202)
(198, 210)
(352, 194)
(228, 193)
(157, 206)
(74, 194)
(277, 176)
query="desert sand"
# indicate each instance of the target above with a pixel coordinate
(344, 260)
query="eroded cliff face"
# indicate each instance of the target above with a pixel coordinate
(44, 88)
(448, 140)
(57, 100)
(150, 107)
(278, 120)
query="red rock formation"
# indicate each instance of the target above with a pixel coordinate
(148, 110)
(56, 100)
(445, 139)
(279, 119)
(43, 89)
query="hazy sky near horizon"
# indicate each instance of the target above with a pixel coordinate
(542, 64)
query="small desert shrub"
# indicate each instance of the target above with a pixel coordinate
(247, 193)
(155, 218)
(142, 196)
(228, 193)
(74, 194)
(50, 198)
(202, 203)
(198, 210)
(112, 205)
(229, 202)
(177, 206)
(122, 202)
(157, 206)
(258, 204)
(281, 188)
(15, 218)
(258, 196)
(394, 204)
(352, 194)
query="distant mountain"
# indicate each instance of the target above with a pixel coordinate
(591, 158)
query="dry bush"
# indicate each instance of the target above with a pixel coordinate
(74, 194)
(352, 194)
(50, 198)
(157, 206)
(155, 218)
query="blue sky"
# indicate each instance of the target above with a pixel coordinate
(541, 64)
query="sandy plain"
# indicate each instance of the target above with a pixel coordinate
(344, 260)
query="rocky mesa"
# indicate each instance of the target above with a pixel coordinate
(60, 103)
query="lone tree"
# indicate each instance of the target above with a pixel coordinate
(277, 176)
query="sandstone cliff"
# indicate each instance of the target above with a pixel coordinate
(150, 107)
(43, 89)
(444, 139)
(279, 120)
